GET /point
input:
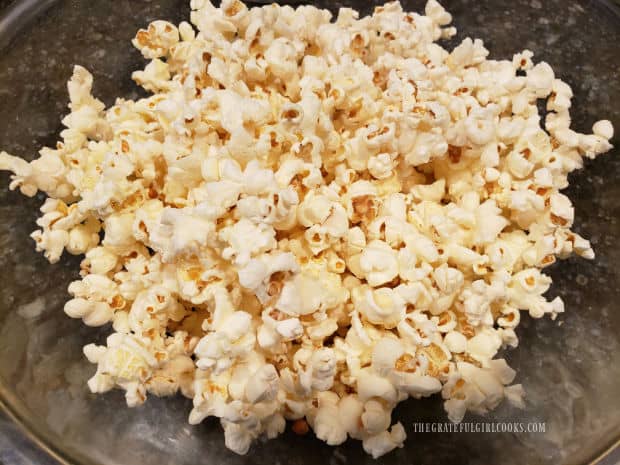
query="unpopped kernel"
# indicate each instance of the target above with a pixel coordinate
(312, 220)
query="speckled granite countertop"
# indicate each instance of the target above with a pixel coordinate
(16, 450)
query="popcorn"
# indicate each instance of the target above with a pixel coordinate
(540, 79)
(95, 299)
(240, 250)
(263, 386)
(479, 389)
(383, 306)
(300, 295)
(99, 260)
(312, 220)
(375, 419)
(93, 313)
(124, 361)
(219, 349)
(370, 385)
(326, 424)
(385, 442)
(604, 129)
(455, 342)
(157, 40)
(484, 345)
(378, 263)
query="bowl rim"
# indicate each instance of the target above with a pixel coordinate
(38, 436)
(18, 15)
(43, 439)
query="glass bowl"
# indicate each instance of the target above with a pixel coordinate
(569, 367)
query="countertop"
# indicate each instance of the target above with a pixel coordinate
(16, 449)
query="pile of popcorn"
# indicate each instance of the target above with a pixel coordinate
(312, 219)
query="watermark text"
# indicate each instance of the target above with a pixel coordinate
(483, 427)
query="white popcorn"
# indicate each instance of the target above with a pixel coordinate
(385, 442)
(255, 275)
(604, 129)
(375, 419)
(484, 345)
(327, 424)
(370, 385)
(479, 127)
(157, 40)
(93, 313)
(455, 342)
(312, 220)
(125, 362)
(300, 296)
(118, 232)
(53, 243)
(562, 208)
(95, 299)
(155, 76)
(289, 329)
(540, 79)
(382, 306)
(240, 249)
(100, 260)
(379, 263)
(263, 385)
(381, 166)
(489, 223)
(219, 349)
(385, 353)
